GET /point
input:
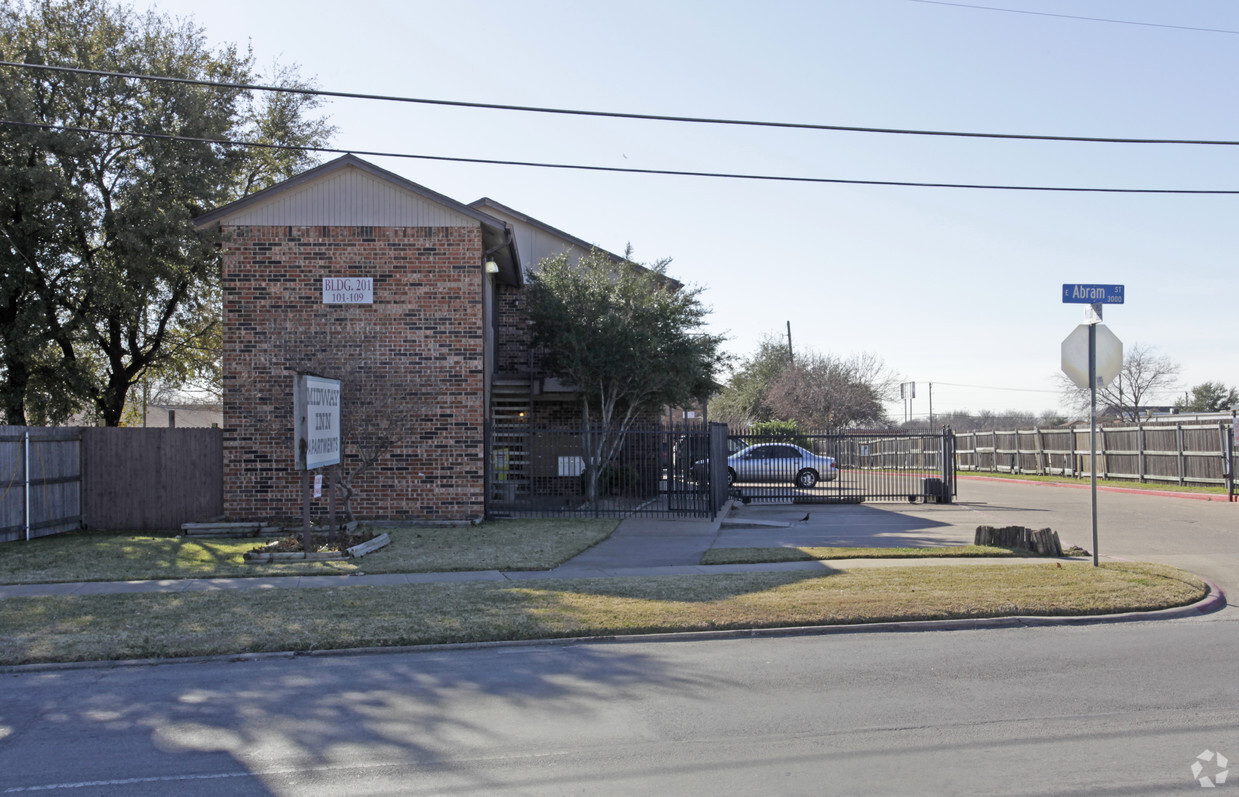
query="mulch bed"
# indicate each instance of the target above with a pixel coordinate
(292, 543)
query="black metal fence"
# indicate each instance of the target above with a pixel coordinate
(691, 471)
(597, 472)
(842, 467)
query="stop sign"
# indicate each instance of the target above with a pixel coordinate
(1109, 355)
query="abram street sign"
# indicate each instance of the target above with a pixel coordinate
(1092, 294)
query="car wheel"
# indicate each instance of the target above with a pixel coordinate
(806, 479)
(731, 477)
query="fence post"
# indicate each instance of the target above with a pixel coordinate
(1140, 451)
(1178, 436)
(1226, 441)
(717, 458)
(948, 465)
(1230, 460)
(26, 469)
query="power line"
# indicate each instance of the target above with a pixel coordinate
(622, 169)
(621, 115)
(1073, 16)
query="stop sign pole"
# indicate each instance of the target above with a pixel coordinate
(1101, 370)
(1092, 424)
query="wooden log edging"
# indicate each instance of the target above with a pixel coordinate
(370, 546)
(1042, 541)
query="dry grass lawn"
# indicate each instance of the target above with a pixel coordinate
(223, 622)
(495, 545)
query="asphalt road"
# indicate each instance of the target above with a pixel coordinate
(1121, 709)
(1104, 709)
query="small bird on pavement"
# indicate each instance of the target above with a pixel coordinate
(806, 517)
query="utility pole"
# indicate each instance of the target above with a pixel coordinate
(791, 358)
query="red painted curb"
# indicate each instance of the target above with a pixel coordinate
(1100, 488)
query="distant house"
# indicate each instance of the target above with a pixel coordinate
(446, 318)
(184, 416)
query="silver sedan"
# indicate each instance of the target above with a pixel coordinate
(780, 462)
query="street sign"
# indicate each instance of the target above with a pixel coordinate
(1109, 355)
(1092, 294)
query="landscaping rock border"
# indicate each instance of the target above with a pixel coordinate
(356, 552)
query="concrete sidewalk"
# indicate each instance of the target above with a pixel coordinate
(639, 547)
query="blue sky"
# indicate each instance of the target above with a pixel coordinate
(956, 287)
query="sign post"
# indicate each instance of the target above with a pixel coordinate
(1087, 365)
(316, 443)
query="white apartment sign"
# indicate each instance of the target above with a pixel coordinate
(316, 407)
(348, 290)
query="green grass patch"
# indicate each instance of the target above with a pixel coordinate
(746, 556)
(110, 627)
(495, 545)
(1135, 485)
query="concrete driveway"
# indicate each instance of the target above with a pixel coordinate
(845, 525)
(1199, 536)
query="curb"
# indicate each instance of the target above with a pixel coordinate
(1213, 601)
(1101, 488)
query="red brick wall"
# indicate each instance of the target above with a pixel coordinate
(420, 344)
(513, 331)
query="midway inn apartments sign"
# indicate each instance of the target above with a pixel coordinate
(316, 406)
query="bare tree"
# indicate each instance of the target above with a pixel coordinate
(1144, 376)
(377, 413)
(826, 391)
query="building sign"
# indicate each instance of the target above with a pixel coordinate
(348, 290)
(316, 407)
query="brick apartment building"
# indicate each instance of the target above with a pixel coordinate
(437, 340)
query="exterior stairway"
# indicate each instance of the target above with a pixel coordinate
(511, 406)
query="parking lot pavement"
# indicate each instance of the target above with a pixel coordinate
(887, 525)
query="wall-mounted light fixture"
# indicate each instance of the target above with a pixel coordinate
(492, 267)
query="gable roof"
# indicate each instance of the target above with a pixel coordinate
(489, 205)
(497, 235)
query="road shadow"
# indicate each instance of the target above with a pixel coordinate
(277, 726)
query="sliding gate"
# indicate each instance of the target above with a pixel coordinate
(842, 467)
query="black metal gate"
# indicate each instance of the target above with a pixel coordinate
(601, 472)
(842, 467)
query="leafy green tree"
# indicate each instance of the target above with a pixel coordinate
(105, 278)
(628, 337)
(1208, 397)
(742, 402)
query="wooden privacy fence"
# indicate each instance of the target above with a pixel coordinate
(154, 478)
(40, 481)
(60, 479)
(1174, 454)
